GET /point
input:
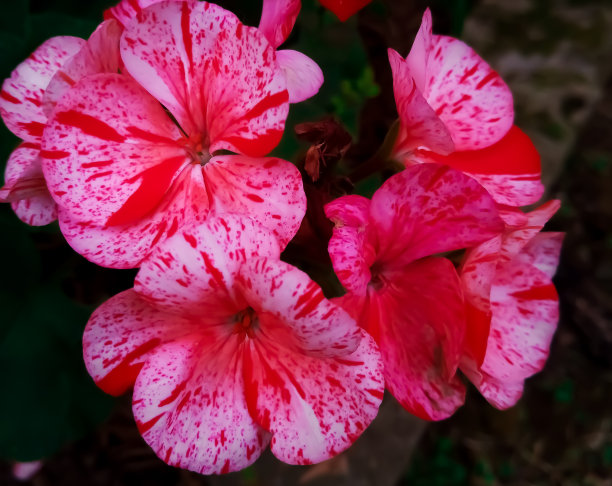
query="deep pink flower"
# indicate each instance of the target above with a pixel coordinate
(455, 110)
(343, 9)
(21, 108)
(229, 349)
(512, 305)
(126, 176)
(409, 301)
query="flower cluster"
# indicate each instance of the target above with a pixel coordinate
(149, 143)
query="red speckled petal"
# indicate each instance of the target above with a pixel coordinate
(468, 96)
(126, 10)
(125, 246)
(420, 340)
(120, 336)
(99, 55)
(219, 78)
(287, 300)
(428, 209)
(349, 248)
(543, 252)
(110, 151)
(190, 407)
(509, 169)
(277, 19)
(343, 9)
(315, 408)
(500, 394)
(22, 94)
(25, 187)
(419, 124)
(195, 270)
(304, 76)
(268, 190)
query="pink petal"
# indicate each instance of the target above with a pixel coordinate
(350, 250)
(315, 408)
(277, 19)
(501, 395)
(420, 340)
(224, 85)
(543, 252)
(267, 190)
(190, 407)
(428, 209)
(468, 96)
(121, 335)
(195, 270)
(110, 152)
(287, 301)
(416, 61)
(419, 124)
(304, 77)
(126, 10)
(99, 55)
(22, 94)
(508, 169)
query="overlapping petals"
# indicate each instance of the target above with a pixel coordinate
(512, 306)
(229, 349)
(381, 253)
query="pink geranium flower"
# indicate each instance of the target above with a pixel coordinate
(21, 108)
(229, 349)
(454, 109)
(128, 172)
(512, 305)
(409, 300)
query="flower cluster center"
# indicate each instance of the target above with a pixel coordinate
(246, 322)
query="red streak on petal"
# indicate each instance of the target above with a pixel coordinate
(54, 154)
(66, 78)
(376, 393)
(190, 239)
(90, 125)
(267, 103)
(489, 77)
(35, 129)
(144, 428)
(468, 73)
(30, 145)
(101, 163)
(545, 292)
(226, 467)
(10, 98)
(148, 136)
(174, 395)
(212, 270)
(477, 333)
(309, 300)
(185, 12)
(255, 198)
(259, 146)
(34, 101)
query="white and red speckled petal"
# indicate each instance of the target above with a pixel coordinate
(419, 124)
(290, 303)
(350, 249)
(99, 55)
(277, 19)
(21, 96)
(315, 408)
(500, 394)
(509, 169)
(268, 190)
(126, 10)
(125, 246)
(543, 252)
(218, 77)
(304, 76)
(428, 209)
(110, 152)
(525, 312)
(120, 336)
(420, 340)
(25, 187)
(343, 9)
(195, 270)
(469, 97)
(190, 407)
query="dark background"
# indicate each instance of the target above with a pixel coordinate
(556, 57)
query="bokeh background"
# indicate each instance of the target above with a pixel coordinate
(557, 57)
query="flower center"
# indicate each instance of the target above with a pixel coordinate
(197, 147)
(377, 280)
(246, 322)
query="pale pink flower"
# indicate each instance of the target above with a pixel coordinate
(512, 305)
(229, 350)
(128, 172)
(455, 110)
(408, 300)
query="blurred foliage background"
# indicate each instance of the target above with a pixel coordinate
(554, 54)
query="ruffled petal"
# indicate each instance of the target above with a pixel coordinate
(110, 152)
(349, 248)
(277, 19)
(315, 408)
(428, 209)
(99, 55)
(543, 252)
(21, 97)
(195, 270)
(304, 76)
(469, 97)
(267, 190)
(190, 407)
(126, 10)
(224, 85)
(286, 300)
